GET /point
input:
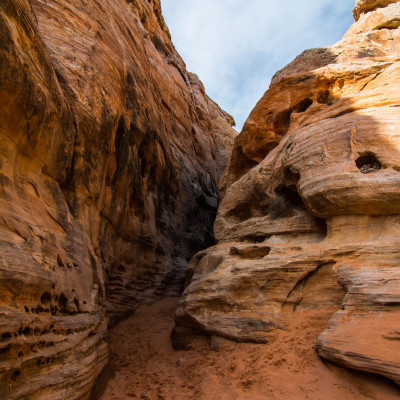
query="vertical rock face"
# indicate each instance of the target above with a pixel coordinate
(110, 157)
(311, 217)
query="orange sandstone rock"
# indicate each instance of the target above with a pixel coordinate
(311, 215)
(110, 157)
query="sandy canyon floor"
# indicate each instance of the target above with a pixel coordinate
(143, 365)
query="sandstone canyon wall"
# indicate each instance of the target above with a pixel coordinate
(311, 216)
(110, 157)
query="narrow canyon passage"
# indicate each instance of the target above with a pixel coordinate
(117, 174)
(143, 365)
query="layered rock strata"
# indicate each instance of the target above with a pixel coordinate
(311, 218)
(110, 156)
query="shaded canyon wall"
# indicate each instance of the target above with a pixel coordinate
(110, 158)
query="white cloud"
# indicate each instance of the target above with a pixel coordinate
(236, 46)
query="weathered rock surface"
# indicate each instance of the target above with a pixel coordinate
(110, 156)
(311, 216)
(365, 6)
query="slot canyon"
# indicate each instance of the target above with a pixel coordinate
(149, 251)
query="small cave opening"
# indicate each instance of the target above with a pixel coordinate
(62, 302)
(291, 195)
(15, 374)
(242, 212)
(324, 97)
(303, 105)
(286, 202)
(6, 335)
(45, 298)
(291, 178)
(26, 331)
(256, 238)
(252, 252)
(322, 228)
(368, 163)
(282, 122)
(253, 207)
(286, 197)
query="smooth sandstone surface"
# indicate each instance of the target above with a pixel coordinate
(110, 157)
(310, 217)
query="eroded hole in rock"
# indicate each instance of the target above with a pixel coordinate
(4, 350)
(291, 178)
(322, 228)
(255, 206)
(60, 261)
(290, 194)
(329, 88)
(256, 238)
(242, 212)
(62, 302)
(324, 97)
(252, 208)
(26, 331)
(303, 105)
(282, 122)
(368, 163)
(6, 335)
(46, 298)
(251, 252)
(15, 375)
(285, 200)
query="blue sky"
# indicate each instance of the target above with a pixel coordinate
(236, 46)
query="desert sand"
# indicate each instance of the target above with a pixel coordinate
(143, 365)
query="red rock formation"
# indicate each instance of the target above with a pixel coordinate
(110, 156)
(311, 217)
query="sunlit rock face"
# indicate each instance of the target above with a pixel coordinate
(311, 216)
(110, 157)
(365, 6)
